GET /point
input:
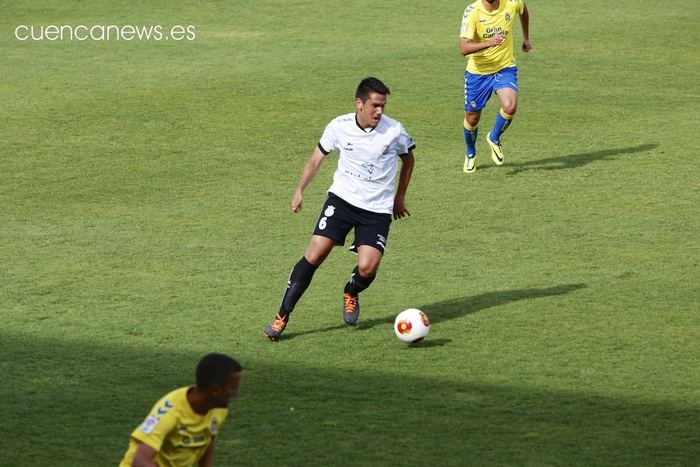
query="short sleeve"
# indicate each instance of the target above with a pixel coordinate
(521, 7)
(405, 142)
(156, 427)
(468, 28)
(328, 141)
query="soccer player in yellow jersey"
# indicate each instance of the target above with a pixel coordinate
(180, 429)
(486, 38)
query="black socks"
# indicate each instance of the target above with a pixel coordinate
(357, 282)
(299, 280)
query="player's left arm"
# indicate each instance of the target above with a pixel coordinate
(145, 456)
(525, 24)
(207, 459)
(407, 163)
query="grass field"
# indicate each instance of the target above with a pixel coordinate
(144, 221)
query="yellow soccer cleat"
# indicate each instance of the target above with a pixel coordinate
(469, 165)
(496, 151)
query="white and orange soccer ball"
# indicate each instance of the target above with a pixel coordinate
(411, 325)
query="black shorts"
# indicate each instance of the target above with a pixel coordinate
(338, 217)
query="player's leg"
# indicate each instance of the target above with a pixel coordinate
(471, 131)
(299, 279)
(477, 91)
(366, 270)
(331, 230)
(506, 88)
(361, 278)
(370, 241)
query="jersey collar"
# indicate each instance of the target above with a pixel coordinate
(365, 130)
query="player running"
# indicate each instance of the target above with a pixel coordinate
(363, 197)
(486, 38)
(181, 428)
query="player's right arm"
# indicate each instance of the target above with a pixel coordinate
(149, 437)
(145, 456)
(310, 170)
(468, 37)
(468, 46)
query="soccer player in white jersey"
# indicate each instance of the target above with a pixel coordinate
(364, 196)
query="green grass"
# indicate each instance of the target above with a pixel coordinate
(144, 221)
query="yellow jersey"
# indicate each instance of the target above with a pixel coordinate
(175, 431)
(480, 25)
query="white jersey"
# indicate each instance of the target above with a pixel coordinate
(367, 160)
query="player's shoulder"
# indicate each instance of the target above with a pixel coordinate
(391, 127)
(341, 124)
(390, 122)
(471, 7)
(175, 400)
(346, 119)
(220, 413)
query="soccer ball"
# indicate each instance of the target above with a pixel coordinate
(411, 325)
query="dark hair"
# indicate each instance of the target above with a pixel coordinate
(215, 368)
(370, 85)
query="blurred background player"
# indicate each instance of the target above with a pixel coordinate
(486, 38)
(363, 196)
(180, 429)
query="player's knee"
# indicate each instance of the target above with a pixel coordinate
(510, 107)
(368, 269)
(315, 258)
(473, 118)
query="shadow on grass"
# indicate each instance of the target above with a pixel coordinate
(451, 309)
(573, 161)
(70, 403)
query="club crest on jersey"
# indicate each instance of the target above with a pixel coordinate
(385, 150)
(507, 17)
(214, 425)
(330, 210)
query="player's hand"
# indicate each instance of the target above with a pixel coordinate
(496, 40)
(526, 46)
(296, 201)
(400, 210)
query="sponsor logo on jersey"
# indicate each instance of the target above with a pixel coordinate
(369, 167)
